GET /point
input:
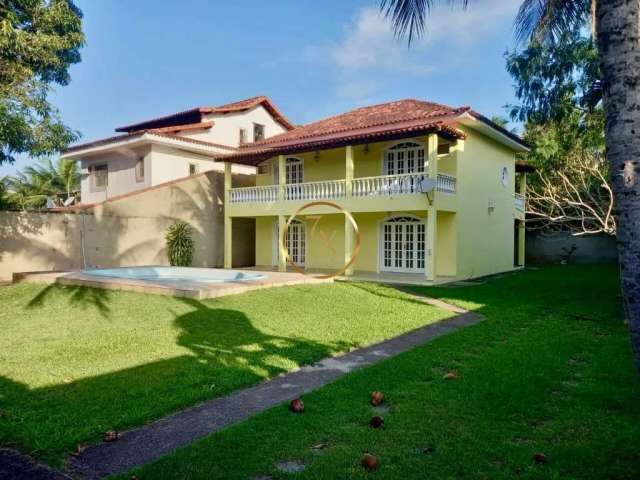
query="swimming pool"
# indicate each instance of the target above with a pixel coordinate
(175, 275)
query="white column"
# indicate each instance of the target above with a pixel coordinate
(282, 176)
(348, 171)
(282, 259)
(349, 233)
(228, 233)
(432, 215)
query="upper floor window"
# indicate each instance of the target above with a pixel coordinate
(99, 177)
(295, 171)
(242, 136)
(140, 169)
(193, 169)
(258, 132)
(406, 157)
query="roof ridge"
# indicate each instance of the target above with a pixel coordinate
(435, 114)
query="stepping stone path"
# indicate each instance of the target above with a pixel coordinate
(290, 466)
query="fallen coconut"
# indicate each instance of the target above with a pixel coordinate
(369, 462)
(296, 405)
(377, 398)
(540, 458)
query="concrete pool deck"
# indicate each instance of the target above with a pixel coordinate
(197, 290)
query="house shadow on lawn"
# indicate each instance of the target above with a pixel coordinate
(228, 353)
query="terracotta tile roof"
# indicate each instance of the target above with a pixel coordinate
(367, 117)
(378, 121)
(140, 133)
(194, 115)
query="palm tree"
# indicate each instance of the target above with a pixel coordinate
(615, 23)
(30, 188)
(27, 191)
(62, 177)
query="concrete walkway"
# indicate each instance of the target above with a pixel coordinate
(16, 466)
(150, 442)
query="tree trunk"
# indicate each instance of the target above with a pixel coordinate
(618, 25)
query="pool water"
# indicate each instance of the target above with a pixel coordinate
(175, 275)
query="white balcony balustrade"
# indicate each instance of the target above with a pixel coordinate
(264, 194)
(386, 185)
(315, 190)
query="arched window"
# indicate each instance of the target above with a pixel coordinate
(406, 157)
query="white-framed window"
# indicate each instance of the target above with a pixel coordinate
(403, 242)
(193, 169)
(295, 170)
(405, 157)
(140, 169)
(242, 136)
(99, 177)
(258, 132)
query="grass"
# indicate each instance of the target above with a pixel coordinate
(549, 371)
(76, 362)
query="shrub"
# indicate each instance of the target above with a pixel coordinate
(180, 245)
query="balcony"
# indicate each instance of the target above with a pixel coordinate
(518, 202)
(361, 188)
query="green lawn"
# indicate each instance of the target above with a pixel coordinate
(549, 371)
(75, 362)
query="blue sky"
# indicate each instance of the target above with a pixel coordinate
(146, 58)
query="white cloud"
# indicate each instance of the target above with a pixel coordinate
(370, 44)
(369, 50)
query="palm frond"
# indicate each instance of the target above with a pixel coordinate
(545, 20)
(408, 17)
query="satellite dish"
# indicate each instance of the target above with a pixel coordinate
(427, 185)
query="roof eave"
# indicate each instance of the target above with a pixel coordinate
(478, 121)
(257, 156)
(141, 138)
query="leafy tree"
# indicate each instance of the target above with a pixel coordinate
(617, 29)
(39, 41)
(554, 83)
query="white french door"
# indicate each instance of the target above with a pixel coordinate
(402, 158)
(403, 245)
(296, 243)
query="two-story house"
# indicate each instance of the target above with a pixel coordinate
(436, 193)
(156, 151)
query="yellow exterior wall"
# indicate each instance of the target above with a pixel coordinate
(330, 164)
(264, 241)
(485, 238)
(446, 251)
(472, 239)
